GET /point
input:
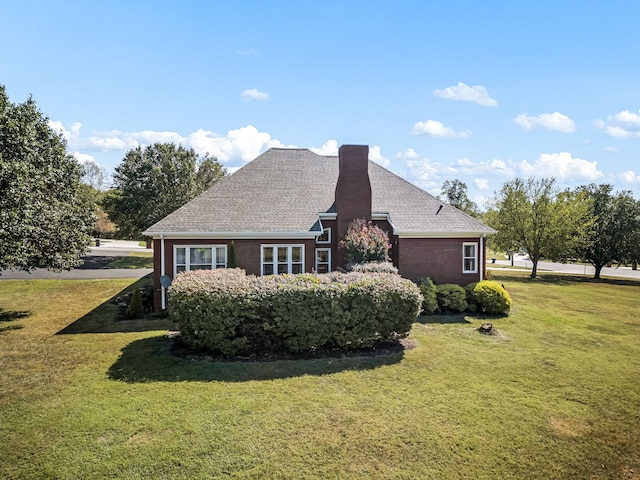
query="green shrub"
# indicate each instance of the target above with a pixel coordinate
(489, 297)
(234, 314)
(135, 305)
(430, 298)
(451, 298)
(374, 267)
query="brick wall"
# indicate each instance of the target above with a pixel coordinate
(437, 258)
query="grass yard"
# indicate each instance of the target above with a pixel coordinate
(133, 260)
(555, 395)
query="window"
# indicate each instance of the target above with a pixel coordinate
(469, 257)
(324, 237)
(200, 257)
(323, 260)
(278, 259)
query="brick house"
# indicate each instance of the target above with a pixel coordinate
(286, 211)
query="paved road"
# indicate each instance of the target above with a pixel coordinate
(94, 265)
(581, 269)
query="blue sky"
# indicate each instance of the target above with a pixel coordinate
(477, 91)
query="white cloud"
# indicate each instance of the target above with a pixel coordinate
(481, 183)
(408, 154)
(562, 166)
(330, 148)
(84, 158)
(434, 128)
(624, 124)
(630, 177)
(465, 93)
(610, 149)
(245, 143)
(254, 94)
(376, 156)
(248, 52)
(547, 121)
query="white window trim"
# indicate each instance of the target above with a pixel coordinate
(188, 256)
(328, 230)
(290, 246)
(328, 257)
(475, 257)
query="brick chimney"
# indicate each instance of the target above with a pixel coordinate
(353, 191)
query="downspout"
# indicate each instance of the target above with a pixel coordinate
(482, 263)
(163, 294)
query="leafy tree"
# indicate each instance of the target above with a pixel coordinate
(614, 221)
(365, 242)
(454, 192)
(45, 215)
(534, 216)
(152, 182)
(94, 176)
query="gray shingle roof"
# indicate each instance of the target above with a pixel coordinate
(284, 190)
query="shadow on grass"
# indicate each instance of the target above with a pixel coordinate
(105, 318)
(153, 360)
(443, 319)
(11, 316)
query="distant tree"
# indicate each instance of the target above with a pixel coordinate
(454, 192)
(631, 244)
(152, 182)
(94, 176)
(365, 242)
(614, 220)
(45, 215)
(534, 216)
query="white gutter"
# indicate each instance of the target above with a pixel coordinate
(482, 265)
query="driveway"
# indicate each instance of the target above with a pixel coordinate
(95, 265)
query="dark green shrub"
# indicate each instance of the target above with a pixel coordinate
(451, 298)
(232, 261)
(233, 314)
(135, 305)
(430, 298)
(374, 267)
(489, 297)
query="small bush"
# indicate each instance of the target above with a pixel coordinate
(135, 306)
(429, 295)
(374, 267)
(451, 298)
(234, 314)
(489, 297)
(365, 242)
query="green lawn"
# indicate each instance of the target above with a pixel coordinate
(555, 395)
(133, 260)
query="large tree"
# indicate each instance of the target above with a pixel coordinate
(454, 192)
(534, 216)
(45, 215)
(152, 182)
(614, 221)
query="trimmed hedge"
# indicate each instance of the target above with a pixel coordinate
(374, 267)
(489, 297)
(227, 312)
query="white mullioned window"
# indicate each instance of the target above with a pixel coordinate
(199, 257)
(323, 260)
(325, 236)
(469, 257)
(278, 259)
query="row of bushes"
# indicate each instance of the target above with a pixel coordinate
(228, 312)
(486, 296)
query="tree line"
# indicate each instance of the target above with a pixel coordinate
(591, 222)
